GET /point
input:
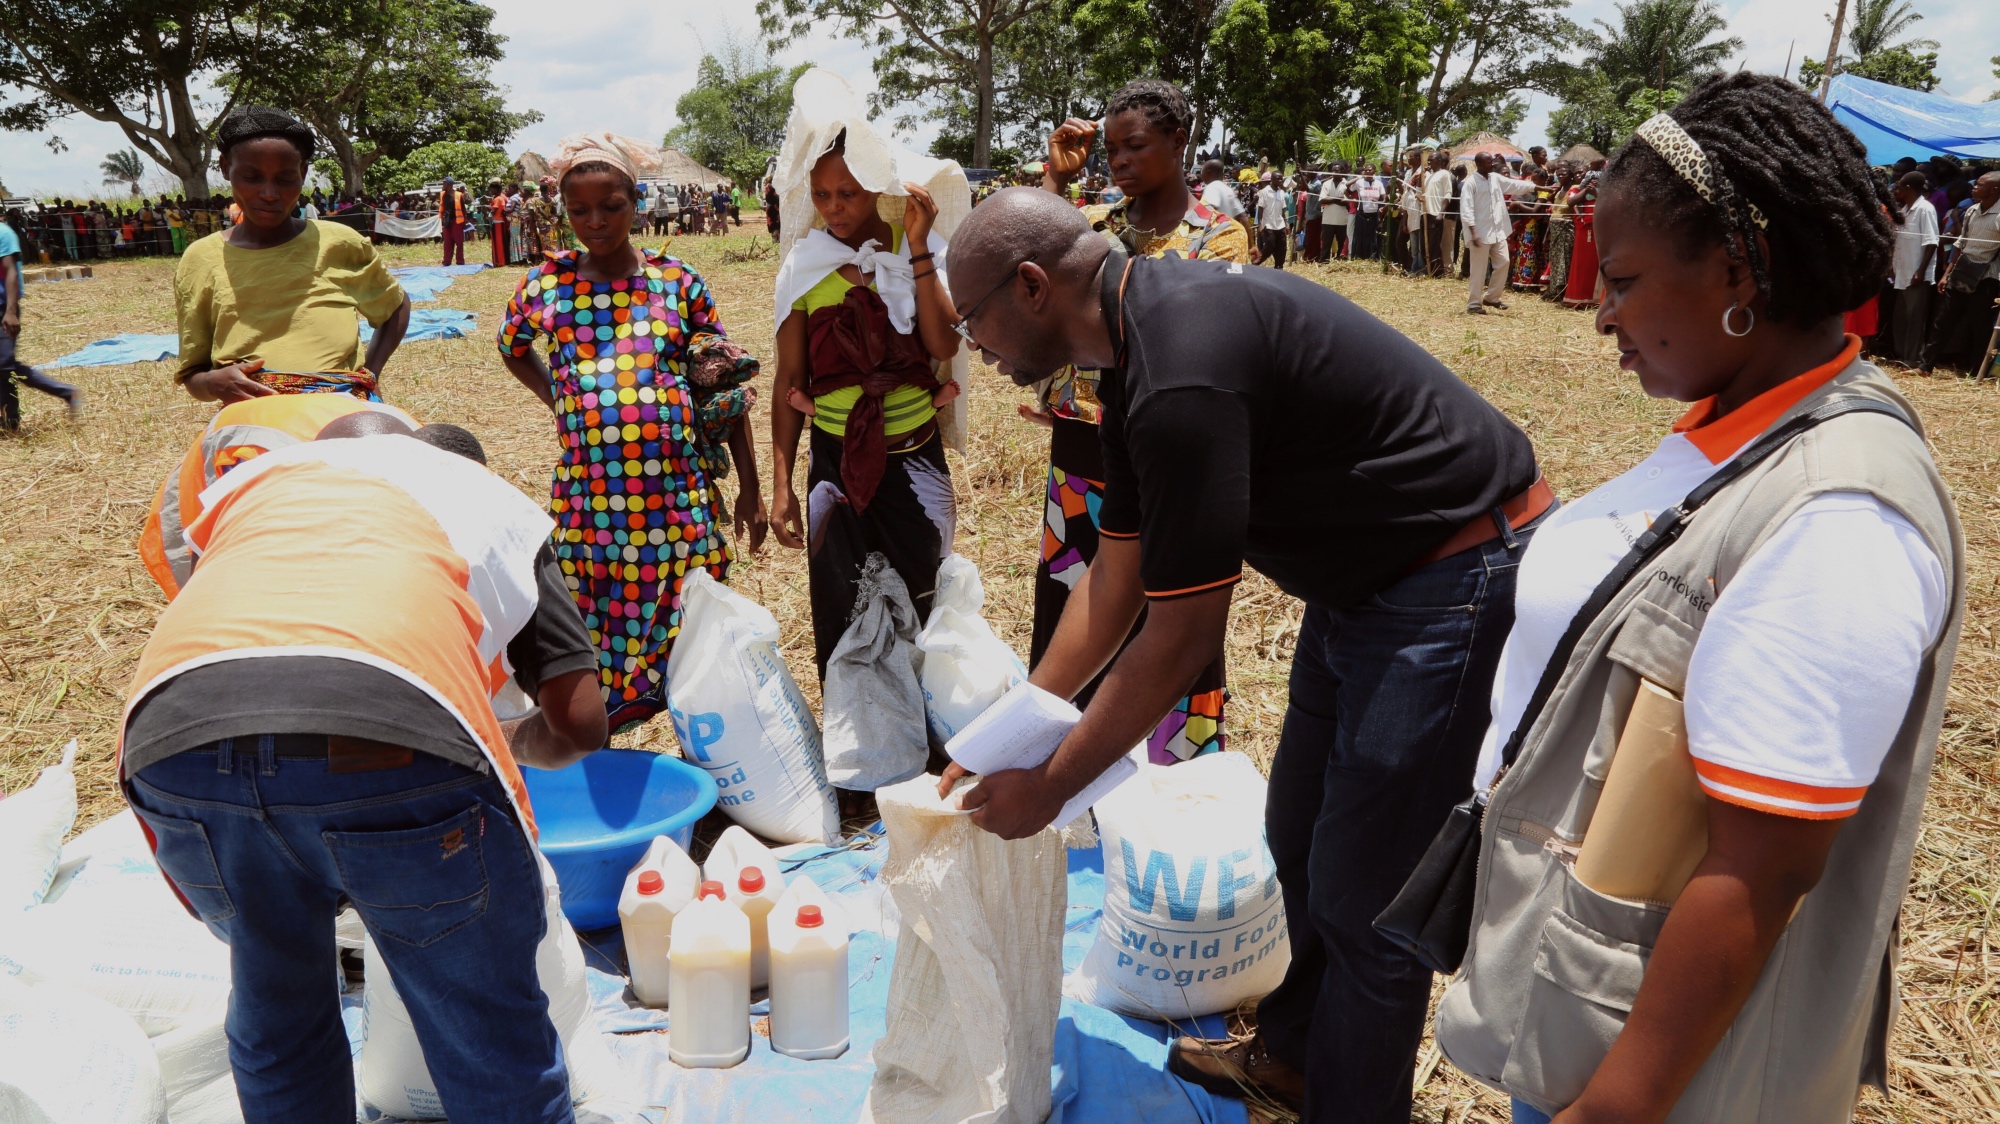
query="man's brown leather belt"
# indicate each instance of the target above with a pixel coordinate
(1520, 511)
(343, 754)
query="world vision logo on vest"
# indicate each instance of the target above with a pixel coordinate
(1689, 593)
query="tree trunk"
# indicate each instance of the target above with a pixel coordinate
(982, 135)
(1832, 51)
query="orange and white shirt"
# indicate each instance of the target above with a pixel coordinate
(1807, 662)
(381, 550)
(239, 432)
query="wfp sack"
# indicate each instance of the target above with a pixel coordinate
(1193, 920)
(32, 825)
(69, 1058)
(964, 668)
(977, 982)
(740, 716)
(391, 1074)
(874, 706)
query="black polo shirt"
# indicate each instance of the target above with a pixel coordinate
(1260, 417)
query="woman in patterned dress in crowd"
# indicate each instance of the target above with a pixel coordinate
(1146, 126)
(635, 506)
(1529, 243)
(1562, 233)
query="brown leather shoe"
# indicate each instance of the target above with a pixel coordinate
(1242, 1068)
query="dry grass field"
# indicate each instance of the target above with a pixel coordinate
(75, 603)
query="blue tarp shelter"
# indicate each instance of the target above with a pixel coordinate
(1894, 122)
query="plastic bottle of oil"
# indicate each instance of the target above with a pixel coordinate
(749, 871)
(808, 974)
(656, 890)
(708, 983)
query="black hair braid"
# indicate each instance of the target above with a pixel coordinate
(254, 122)
(1771, 145)
(1162, 104)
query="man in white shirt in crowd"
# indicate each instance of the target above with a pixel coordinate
(1333, 213)
(1411, 198)
(1273, 232)
(1912, 264)
(1482, 212)
(1967, 292)
(1218, 194)
(1437, 204)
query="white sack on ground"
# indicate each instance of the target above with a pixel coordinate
(69, 1058)
(390, 1072)
(1193, 920)
(976, 987)
(195, 1073)
(964, 667)
(873, 704)
(33, 822)
(740, 716)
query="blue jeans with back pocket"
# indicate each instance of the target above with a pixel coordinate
(266, 847)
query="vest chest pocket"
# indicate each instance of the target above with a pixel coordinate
(1655, 641)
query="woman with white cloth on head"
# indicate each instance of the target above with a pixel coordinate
(865, 336)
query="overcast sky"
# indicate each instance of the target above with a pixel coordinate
(621, 67)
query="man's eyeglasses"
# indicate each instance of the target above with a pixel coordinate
(964, 325)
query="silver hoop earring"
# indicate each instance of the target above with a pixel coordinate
(1749, 326)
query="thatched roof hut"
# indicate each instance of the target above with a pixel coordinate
(1580, 154)
(1477, 143)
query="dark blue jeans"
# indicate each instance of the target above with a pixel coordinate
(1389, 703)
(10, 398)
(266, 847)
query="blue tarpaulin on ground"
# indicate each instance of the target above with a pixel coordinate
(1894, 122)
(1108, 1068)
(433, 324)
(132, 347)
(425, 282)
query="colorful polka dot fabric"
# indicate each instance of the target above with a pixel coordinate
(631, 497)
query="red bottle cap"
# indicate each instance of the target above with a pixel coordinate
(809, 917)
(751, 880)
(713, 890)
(651, 883)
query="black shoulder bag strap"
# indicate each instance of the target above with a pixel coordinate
(1431, 917)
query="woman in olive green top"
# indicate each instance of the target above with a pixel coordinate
(268, 306)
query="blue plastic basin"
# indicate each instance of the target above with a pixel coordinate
(597, 816)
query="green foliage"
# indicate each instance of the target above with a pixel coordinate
(1877, 23)
(1353, 145)
(1594, 115)
(1482, 53)
(1664, 44)
(1897, 66)
(1995, 95)
(123, 166)
(464, 161)
(1282, 65)
(382, 80)
(1501, 117)
(734, 118)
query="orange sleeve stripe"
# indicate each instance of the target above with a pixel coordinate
(1786, 810)
(1104, 534)
(1771, 786)
(1196, 588)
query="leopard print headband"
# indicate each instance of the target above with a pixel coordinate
(1666, 137)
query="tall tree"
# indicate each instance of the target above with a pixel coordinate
(1896, 66)
(379, 79)
(1877, 25)
(1663, 45)
(1285, 64)
(1485, 51)
(924, 47)
(123, 166)
(1173, 40)
(734, 118)
(136, 64)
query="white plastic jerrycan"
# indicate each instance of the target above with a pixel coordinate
(658, 888)
(708, 983)
(749, 871)
(808, 974)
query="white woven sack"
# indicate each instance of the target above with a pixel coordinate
(964, 667)
(33, 822)
(976, 987)
(823, 107)
(69, 1058)
(1193, 919)
(195, 1074)
(391, 1074)
(740, 716)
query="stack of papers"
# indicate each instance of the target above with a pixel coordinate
(1021, 731)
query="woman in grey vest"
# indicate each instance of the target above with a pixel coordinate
(1703, 791)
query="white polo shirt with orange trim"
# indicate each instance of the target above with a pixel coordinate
(1806, 665)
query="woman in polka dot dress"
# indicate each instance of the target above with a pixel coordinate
(632, 495)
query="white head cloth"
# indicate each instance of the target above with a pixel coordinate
(824, 106)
